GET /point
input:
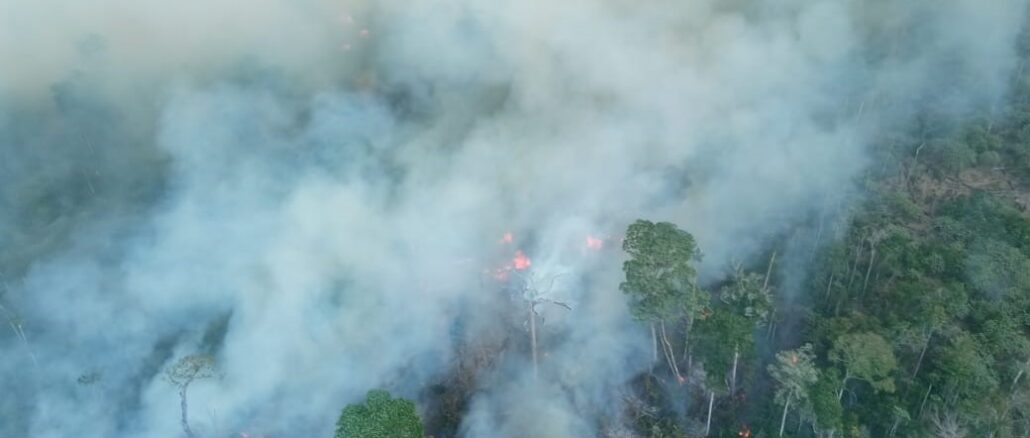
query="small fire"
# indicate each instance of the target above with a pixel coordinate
(518, 262)
(521, 262)
(744, 431)
(793, 358)
(594, 243)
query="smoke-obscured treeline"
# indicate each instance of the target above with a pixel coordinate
(805, 218)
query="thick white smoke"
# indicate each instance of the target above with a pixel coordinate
(311, 190)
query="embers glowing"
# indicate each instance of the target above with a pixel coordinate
(518, 262)
(594, 243)
(521, 262)
(744, 431)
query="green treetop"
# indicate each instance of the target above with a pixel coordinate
(661, 280)
(380, 416)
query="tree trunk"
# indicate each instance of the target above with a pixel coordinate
(654, 345)
(894, 427)
(768, 271)
(869, 270)
(923, 404)
(670, 354)
(854, 270)
(915, 161)
(843, 384)
(686, 344)
(818, 238)
(733, 375)
(922, 353)
(185, 410)
(20, 332)
(690, 360)
(532, 339)
(783, 419)
(711, 401)
(828, 286)
(1020, 374)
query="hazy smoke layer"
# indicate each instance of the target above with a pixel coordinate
(316, 192)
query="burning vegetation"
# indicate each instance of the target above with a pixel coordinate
(461, 220)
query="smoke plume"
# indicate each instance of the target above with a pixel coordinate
(317, 192)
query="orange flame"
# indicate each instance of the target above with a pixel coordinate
(521, 261)
(594, 243)
(506, 238)
(744, 432)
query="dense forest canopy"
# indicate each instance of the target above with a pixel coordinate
(603, 218)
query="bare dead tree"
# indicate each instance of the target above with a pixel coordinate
(16, 326)
(947, 425)
(182, 374)
(533, 294)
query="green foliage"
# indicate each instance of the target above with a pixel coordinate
(660, 276)
(1003, 330)
(718, 338)
(794, 371)
(748, 296)
(982, 139)
(988, 159)
(380, 416)
(963, 371)
(866, 356)
(823, 401)
(997, 269)
(982, 216)
(901, 207)
(951, 156)
(944, 326)
(190, 368)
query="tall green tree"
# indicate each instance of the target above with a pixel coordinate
(794, 371)
(865, 356)
(964, 372)
(661, 280)
(823, 403)
(380, 416)
(749, 297)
